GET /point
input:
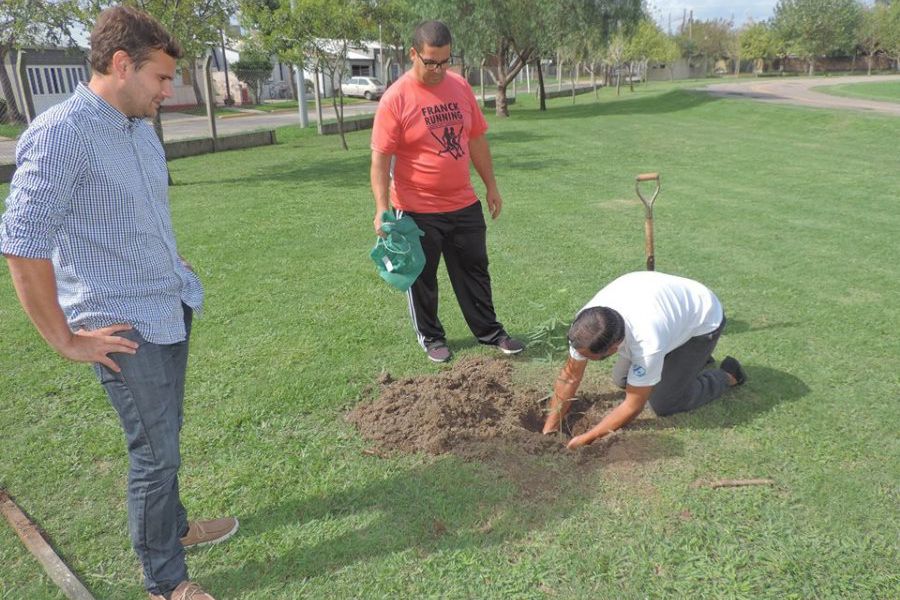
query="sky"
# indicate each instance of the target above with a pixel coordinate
(740, 10)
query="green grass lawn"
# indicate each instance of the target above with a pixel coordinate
(885, 91)
(788, 214)
(11, 130)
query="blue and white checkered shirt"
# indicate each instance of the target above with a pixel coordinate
(90, 193)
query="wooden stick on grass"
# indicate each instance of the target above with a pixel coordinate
(720, 483)
(33, 539)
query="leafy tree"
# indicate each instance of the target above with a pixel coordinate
(319, 32)
(891, 33)
(758, 43)
(194, 23)
(585, 27)
(870, 31)
(511, 31)
(392, 22)
(253, 68)
(515, 32)
(670, 55)
(648, 44)
(29, 23)
(889, 30)
(615, 53)
(814, 28)
(712, 40)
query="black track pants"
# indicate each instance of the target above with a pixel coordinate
(459, 236)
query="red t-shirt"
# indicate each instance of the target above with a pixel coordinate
(428, 130)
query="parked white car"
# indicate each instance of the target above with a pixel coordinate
(366, 87)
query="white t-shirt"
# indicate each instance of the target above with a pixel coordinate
(661, 313)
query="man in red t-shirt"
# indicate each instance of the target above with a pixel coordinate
(429, 124)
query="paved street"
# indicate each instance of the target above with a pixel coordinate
(179, 126)
(799, 91)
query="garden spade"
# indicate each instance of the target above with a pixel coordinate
(648, 220)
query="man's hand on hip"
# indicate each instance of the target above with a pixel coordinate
(95, 346)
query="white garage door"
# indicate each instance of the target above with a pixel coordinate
(51, 84)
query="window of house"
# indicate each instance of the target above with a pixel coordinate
(37, 87)
(360, 70)
(185, 76)
(48, 80)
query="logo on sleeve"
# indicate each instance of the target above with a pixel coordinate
(638, 370)
(445, 124)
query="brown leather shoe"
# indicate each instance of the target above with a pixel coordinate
(201, 533)
(186, 590)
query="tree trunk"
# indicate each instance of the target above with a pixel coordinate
(574, 75)
(13, 115)
(502, 106)
(869, 64)
(542, 93)
(812, 66)
(157, 126)
(630, 77)
(195, 83)
(317, 89)
(337, 101)
(507, 73)
(292, 78)
(558, 73)
(618, 80)
(481, 80)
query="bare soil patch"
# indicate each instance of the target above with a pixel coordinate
(475, 412)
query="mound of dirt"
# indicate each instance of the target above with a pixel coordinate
(471, 410)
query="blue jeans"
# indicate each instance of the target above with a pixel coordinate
(148, 395)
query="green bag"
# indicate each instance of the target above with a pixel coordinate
(398, 256)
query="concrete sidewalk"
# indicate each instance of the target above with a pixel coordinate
(180, 126)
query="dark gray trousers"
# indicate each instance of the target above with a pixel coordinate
(685, 383)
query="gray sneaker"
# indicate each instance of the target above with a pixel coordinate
(509, 345)
(438, 352)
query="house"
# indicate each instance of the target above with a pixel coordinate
(364, 61)
(51, 75)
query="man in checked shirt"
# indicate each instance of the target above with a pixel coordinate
(88, 238)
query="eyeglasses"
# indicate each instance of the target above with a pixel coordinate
(433, 65)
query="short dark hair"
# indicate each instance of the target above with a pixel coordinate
(132, 31)
(597, 329)
(432, 33)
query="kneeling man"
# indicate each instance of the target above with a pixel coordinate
(664, 329)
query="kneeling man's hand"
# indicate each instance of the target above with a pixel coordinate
(579, 440)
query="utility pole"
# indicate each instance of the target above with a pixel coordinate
(381, 57)
(301, 82)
